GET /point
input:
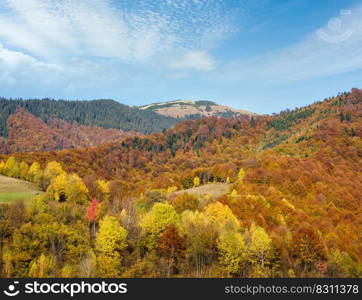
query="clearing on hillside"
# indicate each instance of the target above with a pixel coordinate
(212, 189)
(12, 190)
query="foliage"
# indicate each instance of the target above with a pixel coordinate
(111, 237)
(68, 187)
(185, 201)
(201, 238)
(259, 246)
(222, 216)
(161, 216)
(196, 181)
(232, 251)
(289, 207)
(42, 267)
(92, 210)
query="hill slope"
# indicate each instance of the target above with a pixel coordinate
(59, 124)
(29, 133)
(101, 113)
(298, 133)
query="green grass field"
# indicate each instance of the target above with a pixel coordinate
(12, 190)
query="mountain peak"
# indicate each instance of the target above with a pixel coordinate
(182, 108)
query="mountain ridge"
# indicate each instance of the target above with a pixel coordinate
(65, 124)
(185, 108)
(193, 136)
(102, 112)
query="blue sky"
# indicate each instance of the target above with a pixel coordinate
(260, 55)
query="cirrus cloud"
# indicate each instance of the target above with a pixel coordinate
(70, 43)
(53, 29)
(332, 49)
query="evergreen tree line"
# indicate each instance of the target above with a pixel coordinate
(102, 113)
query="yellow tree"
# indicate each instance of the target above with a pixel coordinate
(7, 262)
(76, 190)
(2, 167)
(170, 190)
(201, 235)
(11, 167)
(103, 186)
(196, 181)
(108, 266)
(57, 187)
(52, 170)
(232, 251)
(111, 237)
(23, 170)
(241, 175)
(34, 173)
(222, 216)
(42, 267)
(68, 187)
(67, 271)
(260, 245)
(161, 216)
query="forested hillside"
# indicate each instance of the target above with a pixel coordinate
(60, 124)
(292, 205)
(101, 113)
(28, 133)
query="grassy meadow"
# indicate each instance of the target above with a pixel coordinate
(12, 190)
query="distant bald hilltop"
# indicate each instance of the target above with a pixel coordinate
(189, 108)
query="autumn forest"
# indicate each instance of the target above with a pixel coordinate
(238, 196)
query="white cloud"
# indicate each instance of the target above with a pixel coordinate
(25, 73)
(15, 66)
(72, 45)
(194, 60)
(333, 49)
(52, 28)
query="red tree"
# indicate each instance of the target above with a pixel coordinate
(92, 212)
